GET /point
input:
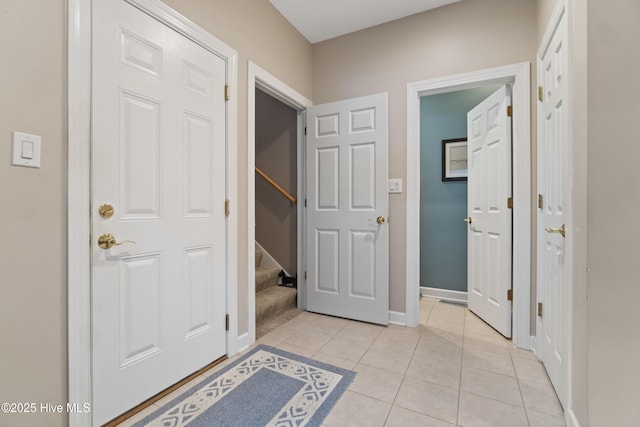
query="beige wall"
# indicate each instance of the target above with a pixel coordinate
(33, 354)
(462, 37)
(33, 311)
(613, 68)
(545, 9)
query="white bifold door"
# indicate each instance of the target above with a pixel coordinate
(489, 216)
(347, 209)
(157, 191)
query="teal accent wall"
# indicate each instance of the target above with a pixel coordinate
(443, 205)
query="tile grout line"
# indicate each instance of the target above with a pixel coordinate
(397, 391)
(404, 374)
(430, 315)
(524, 406)
(369, 345)
(401, 381)
(464, 323)
(461, 355)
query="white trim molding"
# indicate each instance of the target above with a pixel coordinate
(397, 318)
(261, 79)
(444, 294)
(532, 346)
(519, 76)
(79, 34)
(571, 419)
(243, 342)
(78, 217)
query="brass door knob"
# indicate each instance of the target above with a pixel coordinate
(468, 220)
(561, 230)
(380, 220)
(107, 241)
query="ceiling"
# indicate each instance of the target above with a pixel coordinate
(320, 20)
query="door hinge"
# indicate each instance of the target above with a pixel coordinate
(305, 130)
(510, 111)
(305, 203)
(510, 202)
(540, 201)
(227, 208)
(305, 275)
(539, 309)
(227, 92)
(510, 295)
(226, 322)
(540, 93)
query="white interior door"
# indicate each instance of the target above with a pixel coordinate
(554, 190)
(489, 218)
(347, 209)
(158, 158)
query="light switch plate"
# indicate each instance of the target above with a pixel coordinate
(395, 185)
(26, 150)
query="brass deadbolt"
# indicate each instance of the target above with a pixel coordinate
(106, 210)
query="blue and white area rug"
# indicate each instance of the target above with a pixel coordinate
(266, 387)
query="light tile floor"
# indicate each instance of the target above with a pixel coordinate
(452, 370)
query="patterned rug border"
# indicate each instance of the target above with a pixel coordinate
(315, 420)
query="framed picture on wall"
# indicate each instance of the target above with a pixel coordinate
(454, 159)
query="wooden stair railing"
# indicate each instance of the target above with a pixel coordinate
(275, 185)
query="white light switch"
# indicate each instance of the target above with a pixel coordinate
(395, 185)
(26, 150)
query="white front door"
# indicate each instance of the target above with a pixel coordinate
(554, 196)
(347, 209)
(158, 159)
(489, 217)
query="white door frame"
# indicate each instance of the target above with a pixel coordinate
(519, 75)
(79, 191)
(268, 83)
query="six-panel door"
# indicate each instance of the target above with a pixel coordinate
(347, 247)
(158, 157)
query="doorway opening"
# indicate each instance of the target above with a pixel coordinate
(276, 219)
(519, 76)
(443, 200)
(271, 86)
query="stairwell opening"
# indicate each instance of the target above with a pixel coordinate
(276, 222)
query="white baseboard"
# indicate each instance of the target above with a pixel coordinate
(443, 294)
(571, 419)
(243, 343)
(532, 345)
(397, 318)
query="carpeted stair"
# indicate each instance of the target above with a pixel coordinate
(273, 303)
